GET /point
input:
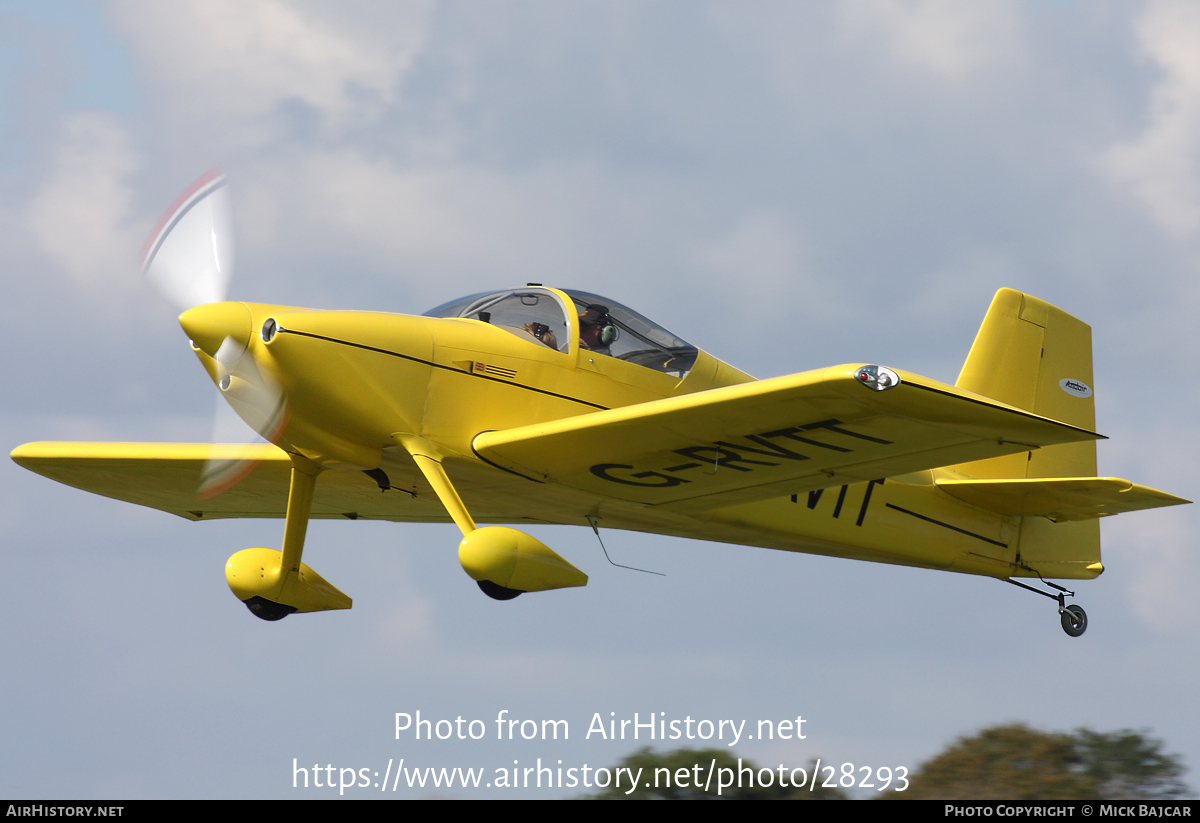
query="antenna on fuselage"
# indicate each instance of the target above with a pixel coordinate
(594, 521)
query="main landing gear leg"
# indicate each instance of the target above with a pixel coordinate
(274, 584)
(504, 562)
(431, 466)
(1074, 619)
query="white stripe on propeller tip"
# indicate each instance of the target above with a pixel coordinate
(189, 254)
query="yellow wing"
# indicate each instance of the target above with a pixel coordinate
(691, 453)
(773, 437)
(166, 476)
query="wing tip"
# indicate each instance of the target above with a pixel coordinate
(26, 453)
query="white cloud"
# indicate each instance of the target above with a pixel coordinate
(1164, 569)
(944, 37)
(79, 218)
(1153, 553)
(453, 228)
(762, 249)
(1160, 164)
(232, 63)
(408, 624)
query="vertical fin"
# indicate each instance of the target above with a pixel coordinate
(1023, 352)
(1036, 357)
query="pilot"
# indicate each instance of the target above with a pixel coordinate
(596, 329)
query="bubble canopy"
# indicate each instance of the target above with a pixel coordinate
(605, 326)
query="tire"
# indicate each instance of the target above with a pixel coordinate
(498, 592)
(1074, 620)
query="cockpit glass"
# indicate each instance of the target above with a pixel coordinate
(611, 328)
(605, 326)
(536, 315)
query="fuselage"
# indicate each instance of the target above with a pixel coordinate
(354, 384)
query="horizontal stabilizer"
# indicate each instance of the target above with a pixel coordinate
(1059, 498)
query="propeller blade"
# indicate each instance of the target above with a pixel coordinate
(189, 258)
(223, 473)
(189, 254)
(251, 391)
(257, 399)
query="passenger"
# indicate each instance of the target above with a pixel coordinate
(542, 333)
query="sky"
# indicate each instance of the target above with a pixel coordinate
(787, 186)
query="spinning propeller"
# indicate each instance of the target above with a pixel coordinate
(189, 258)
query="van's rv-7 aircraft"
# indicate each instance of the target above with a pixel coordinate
(549, 405)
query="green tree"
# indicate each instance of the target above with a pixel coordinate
(1126, 765)
(673, 776)
(1015, 762)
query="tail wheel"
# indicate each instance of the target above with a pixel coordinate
(1074, 620)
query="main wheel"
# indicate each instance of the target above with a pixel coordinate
(1074, 621)
(265, 609)
(498, 592)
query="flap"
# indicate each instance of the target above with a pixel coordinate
(772, 437)
(1059, 498)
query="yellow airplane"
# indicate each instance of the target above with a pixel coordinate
(547, 405)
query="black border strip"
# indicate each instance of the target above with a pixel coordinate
(948, 526)
(992, 405)
(440, 366)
